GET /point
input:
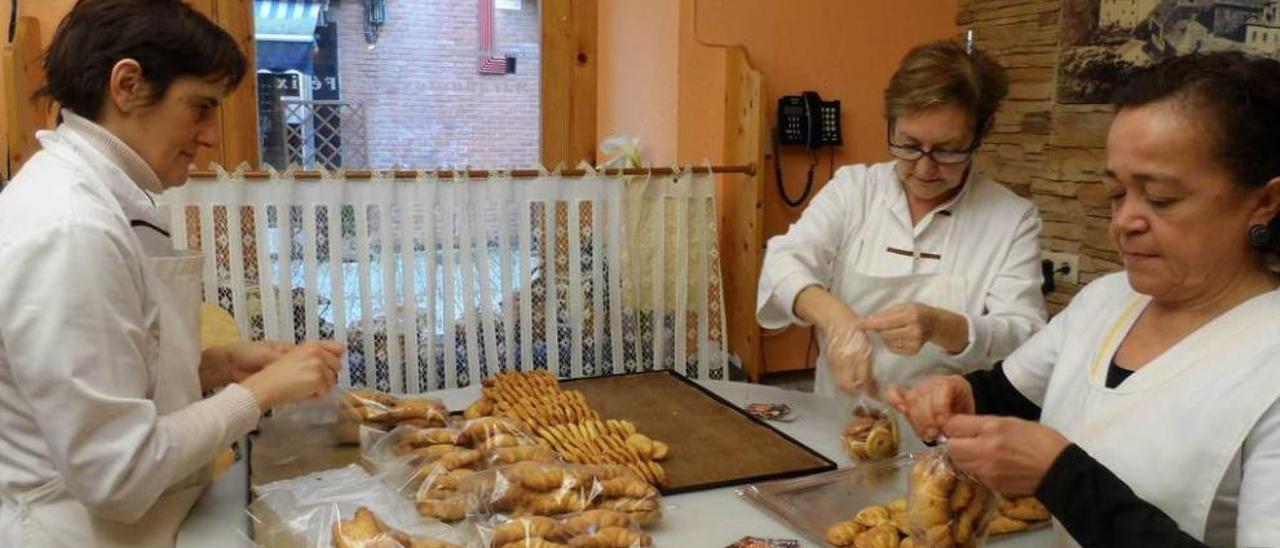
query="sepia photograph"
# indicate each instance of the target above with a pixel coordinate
(1104, 40)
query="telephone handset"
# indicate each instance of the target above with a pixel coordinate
(808, 120)
(805, 119)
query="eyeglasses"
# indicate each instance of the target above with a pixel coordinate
(911, 153)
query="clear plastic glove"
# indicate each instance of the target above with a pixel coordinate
(849, 357)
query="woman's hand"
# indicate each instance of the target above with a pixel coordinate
(849, 358)
(1011, 456)
(307, 371)
(848, 350)
(906, 327)
(223, 365)
(930, 403)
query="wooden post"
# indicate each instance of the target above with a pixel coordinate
(568, 82)
(740, 208)
(240, 108)
(23, 75)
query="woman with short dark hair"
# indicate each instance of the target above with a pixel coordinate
(1147, 413)
(108, 438)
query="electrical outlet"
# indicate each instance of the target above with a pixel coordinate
(1066, 267)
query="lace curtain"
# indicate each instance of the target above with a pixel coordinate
(437, 282)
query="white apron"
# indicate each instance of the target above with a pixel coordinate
(867, 295)
(1173, 428)
(48, 516)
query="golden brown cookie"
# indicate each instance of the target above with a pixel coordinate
(880, 536)
(1002, 525)
(844, 533)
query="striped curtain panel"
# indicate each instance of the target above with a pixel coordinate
(439, 282)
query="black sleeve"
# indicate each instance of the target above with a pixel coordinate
(993, 394)
(1098, 509)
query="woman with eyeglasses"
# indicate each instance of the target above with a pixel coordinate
(919, 265)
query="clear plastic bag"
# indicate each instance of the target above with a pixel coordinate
(872, 433)
(946, 508)
(589, 529)
(308, 511)
(296, 439)
(387, 411)
(365, 530)
(539, 489)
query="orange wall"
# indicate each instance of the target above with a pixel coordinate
(637, 89)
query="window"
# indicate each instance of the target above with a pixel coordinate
(398, 84)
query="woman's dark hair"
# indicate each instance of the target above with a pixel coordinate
(168, 38)
(1239, 98)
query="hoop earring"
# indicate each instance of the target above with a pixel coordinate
(1259, 236)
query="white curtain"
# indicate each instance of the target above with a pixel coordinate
(438, 282)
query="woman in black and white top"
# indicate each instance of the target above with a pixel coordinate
(1147, 413)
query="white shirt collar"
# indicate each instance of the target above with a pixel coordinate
(115, 150)
(139, 180)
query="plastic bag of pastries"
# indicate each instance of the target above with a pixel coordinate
(365, 530)
(945, 508)
(589, 529)
(387, 410)
(486, 433)
(533, 488)
(872, 431)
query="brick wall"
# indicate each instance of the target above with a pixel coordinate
(426, 105)
(1049, 151)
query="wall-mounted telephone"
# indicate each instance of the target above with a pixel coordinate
(808, 120)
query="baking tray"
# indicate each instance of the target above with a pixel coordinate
(713, 443)
(813, 504)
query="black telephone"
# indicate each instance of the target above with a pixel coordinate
(808, 120)
(805, 119)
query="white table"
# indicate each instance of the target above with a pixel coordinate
(713, 518)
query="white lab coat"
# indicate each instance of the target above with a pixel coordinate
(104, 432)
(984, 242)
(1196, 431)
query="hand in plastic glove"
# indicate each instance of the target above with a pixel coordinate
(222, 365)
(930, 403)
(308, 371)
(849, 357)
(1011, 456)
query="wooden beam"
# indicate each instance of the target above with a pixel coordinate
(568, 81)
(240, 108)
(409, 175)
(23, 75)
(740, 208)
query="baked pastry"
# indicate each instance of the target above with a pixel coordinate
(1025, 509)
(594, 520)
(529, 527)
(612, 537)
(1003, 525)
(880, 536)
(365, 530)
